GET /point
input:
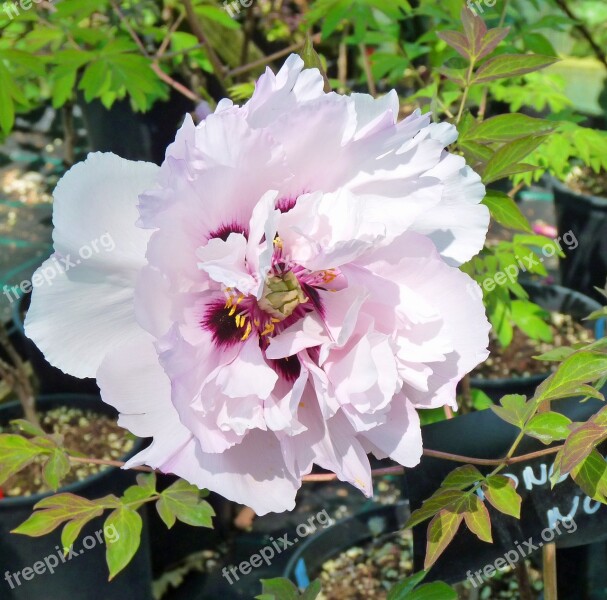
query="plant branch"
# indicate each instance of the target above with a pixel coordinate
(368, 70)
(581, 27)
(218, 69)
(272, 57)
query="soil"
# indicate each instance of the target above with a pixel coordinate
(367, 572)
(517, 359)
(91, 434)
(585, 181)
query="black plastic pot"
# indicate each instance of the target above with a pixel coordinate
(551, 298)
(307, 561)
(50, 379)
(85, 575)
(131, 135)
(586, 216)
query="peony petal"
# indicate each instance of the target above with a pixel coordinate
(81, 308)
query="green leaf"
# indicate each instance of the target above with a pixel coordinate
(477, 518)
(56, 469)
(312, 61)
(514, 409)
(279, 588)
(531, 319)
(462, 477)
(556, 354)
(506, 160)
(457, 40)
(183, 501)
(475, 30)
(55, 510)
(501, 493)
(403, 588)
(434, 591)
(505, 211)
(509, 127)
(16, 452)
(218, 15)
(548, 427)
(438, 501)
(312, 591)
(580, 443)
(29, 428)
(491, 40)
(120, 550)
(511, 65)
(591, 476)
(579, 368)
(480, 400)
(441, 531)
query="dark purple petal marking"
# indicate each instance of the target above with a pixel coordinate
(222, 326)
(284, 205)
(287, 368)
(224, 231)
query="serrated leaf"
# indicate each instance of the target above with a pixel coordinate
(51, 512)
(120, 550)
(502, 495)
(183, 500)
(505, 211)
(514, 409)
(136, 495)
(548, 427)
(56, 469)
(511, 65)
(441, 531)
(462, 477)
(579, 368)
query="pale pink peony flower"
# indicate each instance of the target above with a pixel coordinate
(283, 292)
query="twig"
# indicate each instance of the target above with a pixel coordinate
(182, 89)
(549, 567)
(368, 70)
(261, 62)
(67, 116)
(18, 374)
(600, 54)
(218, 69)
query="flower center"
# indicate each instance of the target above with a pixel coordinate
(282, 294)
